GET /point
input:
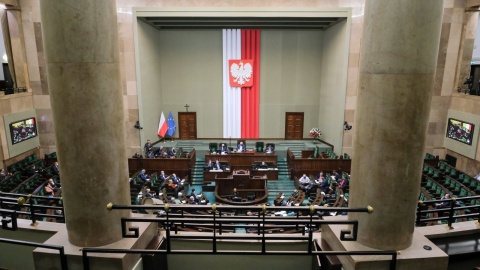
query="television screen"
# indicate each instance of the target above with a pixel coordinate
(460, 131)
(23, 130)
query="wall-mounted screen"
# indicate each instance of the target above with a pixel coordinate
(23, 130)
(460, 131)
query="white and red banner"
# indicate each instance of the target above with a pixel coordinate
(241, 83)
(162, 126)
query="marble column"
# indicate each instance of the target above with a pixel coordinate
(397, 66)
(82, 59)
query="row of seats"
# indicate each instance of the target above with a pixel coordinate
(24, 163)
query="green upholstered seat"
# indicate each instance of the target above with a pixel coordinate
(213, 147)
(259, 146)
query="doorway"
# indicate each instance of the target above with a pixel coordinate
(187, 127)
(294, 125)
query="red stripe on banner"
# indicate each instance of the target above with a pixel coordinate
(250, 95)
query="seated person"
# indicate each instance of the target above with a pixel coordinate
(148, 194)
(177, 179)
(223, 149)
(241, 147)
(319, 175)
(445, 204)
(291, 199)
(269, 149)
(263, 165)
(50, 188)
(217, 165)
(56, 168)
(236, 196)
(322, 183)
(192, 194)
(173, 186)
(172, 152)
(137, 155)
(163, 177)
(150, 154)
(304, 180)
(336, 175)
(331, 190)
(143, 176)
(192, 200)
(163, 154)
(209, 165)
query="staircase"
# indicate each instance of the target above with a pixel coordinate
(188, 145)
(197, 172)
(283, 184)
(295, 147)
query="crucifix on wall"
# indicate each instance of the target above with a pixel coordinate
(186, 107)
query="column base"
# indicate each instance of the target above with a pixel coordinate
(414, 257)
(49, 259)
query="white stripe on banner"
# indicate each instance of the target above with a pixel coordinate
(232, 98)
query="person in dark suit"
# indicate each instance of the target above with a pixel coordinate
(269, 149)
(148, 147)
(192, 194)
(336, 175)
(172, 152)
(56, 168)
(176, 180)
(163, 177)
(223, 149)
(241, 147)
(209, 165)
(263, 165)
(176, 183)
(144, 176)
(217, 165)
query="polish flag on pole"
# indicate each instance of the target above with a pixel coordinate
(162, 126)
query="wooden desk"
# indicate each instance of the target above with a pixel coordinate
(242, 160)
(271, 174)
(244, 185)
(209, 176)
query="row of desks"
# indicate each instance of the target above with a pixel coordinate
(241, 161)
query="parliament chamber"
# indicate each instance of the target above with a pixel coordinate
(345, 131)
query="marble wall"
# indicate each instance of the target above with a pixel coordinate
(457, 31)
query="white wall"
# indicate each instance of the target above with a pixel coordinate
(332, 99)
(290, 79)
(149, 80)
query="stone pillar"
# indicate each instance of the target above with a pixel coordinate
(397, 67)
(81, 53)
(17, 43)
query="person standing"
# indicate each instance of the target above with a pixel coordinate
(148, 147)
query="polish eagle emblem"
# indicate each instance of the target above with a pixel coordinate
(241, 72)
